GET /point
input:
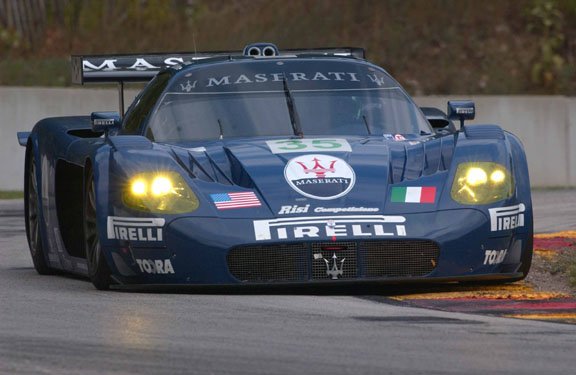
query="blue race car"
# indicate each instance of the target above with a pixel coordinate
(272, 167)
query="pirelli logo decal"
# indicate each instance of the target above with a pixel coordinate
(506, 218)
(321, 227)
(135, 229)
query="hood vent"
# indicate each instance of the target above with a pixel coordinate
(208, 170)
(412, 161)
(220, 166)
(203, 166)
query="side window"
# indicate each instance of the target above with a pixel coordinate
(144, 103)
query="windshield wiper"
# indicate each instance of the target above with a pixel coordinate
(294, 118)
(221, 131)
(367, 125)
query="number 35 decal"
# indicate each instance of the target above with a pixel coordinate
(283, 146)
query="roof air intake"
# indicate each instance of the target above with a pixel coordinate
(261, 49)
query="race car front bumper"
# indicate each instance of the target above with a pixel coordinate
(438, 246)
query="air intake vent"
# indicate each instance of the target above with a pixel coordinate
(324, 261)
(261, 49)
(274, 263)
(484, 131)
(400, 258)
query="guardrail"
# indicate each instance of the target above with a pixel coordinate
(545, 124)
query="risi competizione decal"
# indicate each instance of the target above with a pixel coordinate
(295, 209)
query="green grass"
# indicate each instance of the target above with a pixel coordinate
(10, 194)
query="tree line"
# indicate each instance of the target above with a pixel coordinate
(28, 18)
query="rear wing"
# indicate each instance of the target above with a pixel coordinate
(143, 67)
(126, 68)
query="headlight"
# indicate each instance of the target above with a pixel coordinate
(159, 192)
(481, 183)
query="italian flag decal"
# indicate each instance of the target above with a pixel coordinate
(414, 194)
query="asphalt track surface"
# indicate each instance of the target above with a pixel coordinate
(62, 325)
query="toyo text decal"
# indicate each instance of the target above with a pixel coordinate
(494, 256)
(155, 266)
(320, 176)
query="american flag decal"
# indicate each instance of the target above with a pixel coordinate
(226, 201)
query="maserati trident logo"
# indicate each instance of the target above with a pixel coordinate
(319, 176)
(188, 86)
(318, 169)
(334, 271)
(334, 268)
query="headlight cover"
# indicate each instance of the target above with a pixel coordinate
(159, 192)
(481, 183)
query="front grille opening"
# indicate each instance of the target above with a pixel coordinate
(347, 260)
(399, 258)
(277, 263)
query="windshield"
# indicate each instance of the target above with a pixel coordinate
(190, 114)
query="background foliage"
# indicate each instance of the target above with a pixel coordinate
(431, 46)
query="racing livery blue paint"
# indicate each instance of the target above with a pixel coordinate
(272, 168)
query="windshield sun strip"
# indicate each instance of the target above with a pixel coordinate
(278, 91)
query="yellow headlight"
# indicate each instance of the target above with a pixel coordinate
(476, 176)
(498, 176)
(159, 192)
(472, 186)
(138, 187)
(161, 185)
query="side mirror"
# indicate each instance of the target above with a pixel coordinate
(23, 138)
(438, 120)
(104, 121)
(461, 110)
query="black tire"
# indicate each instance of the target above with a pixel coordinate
(526, 259)
(98, 270)
(32, 217)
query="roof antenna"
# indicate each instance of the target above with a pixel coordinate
(121, 98)
(194, 42)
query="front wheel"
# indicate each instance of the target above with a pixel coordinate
(32, 215)
(526, 259)
(98, 270)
